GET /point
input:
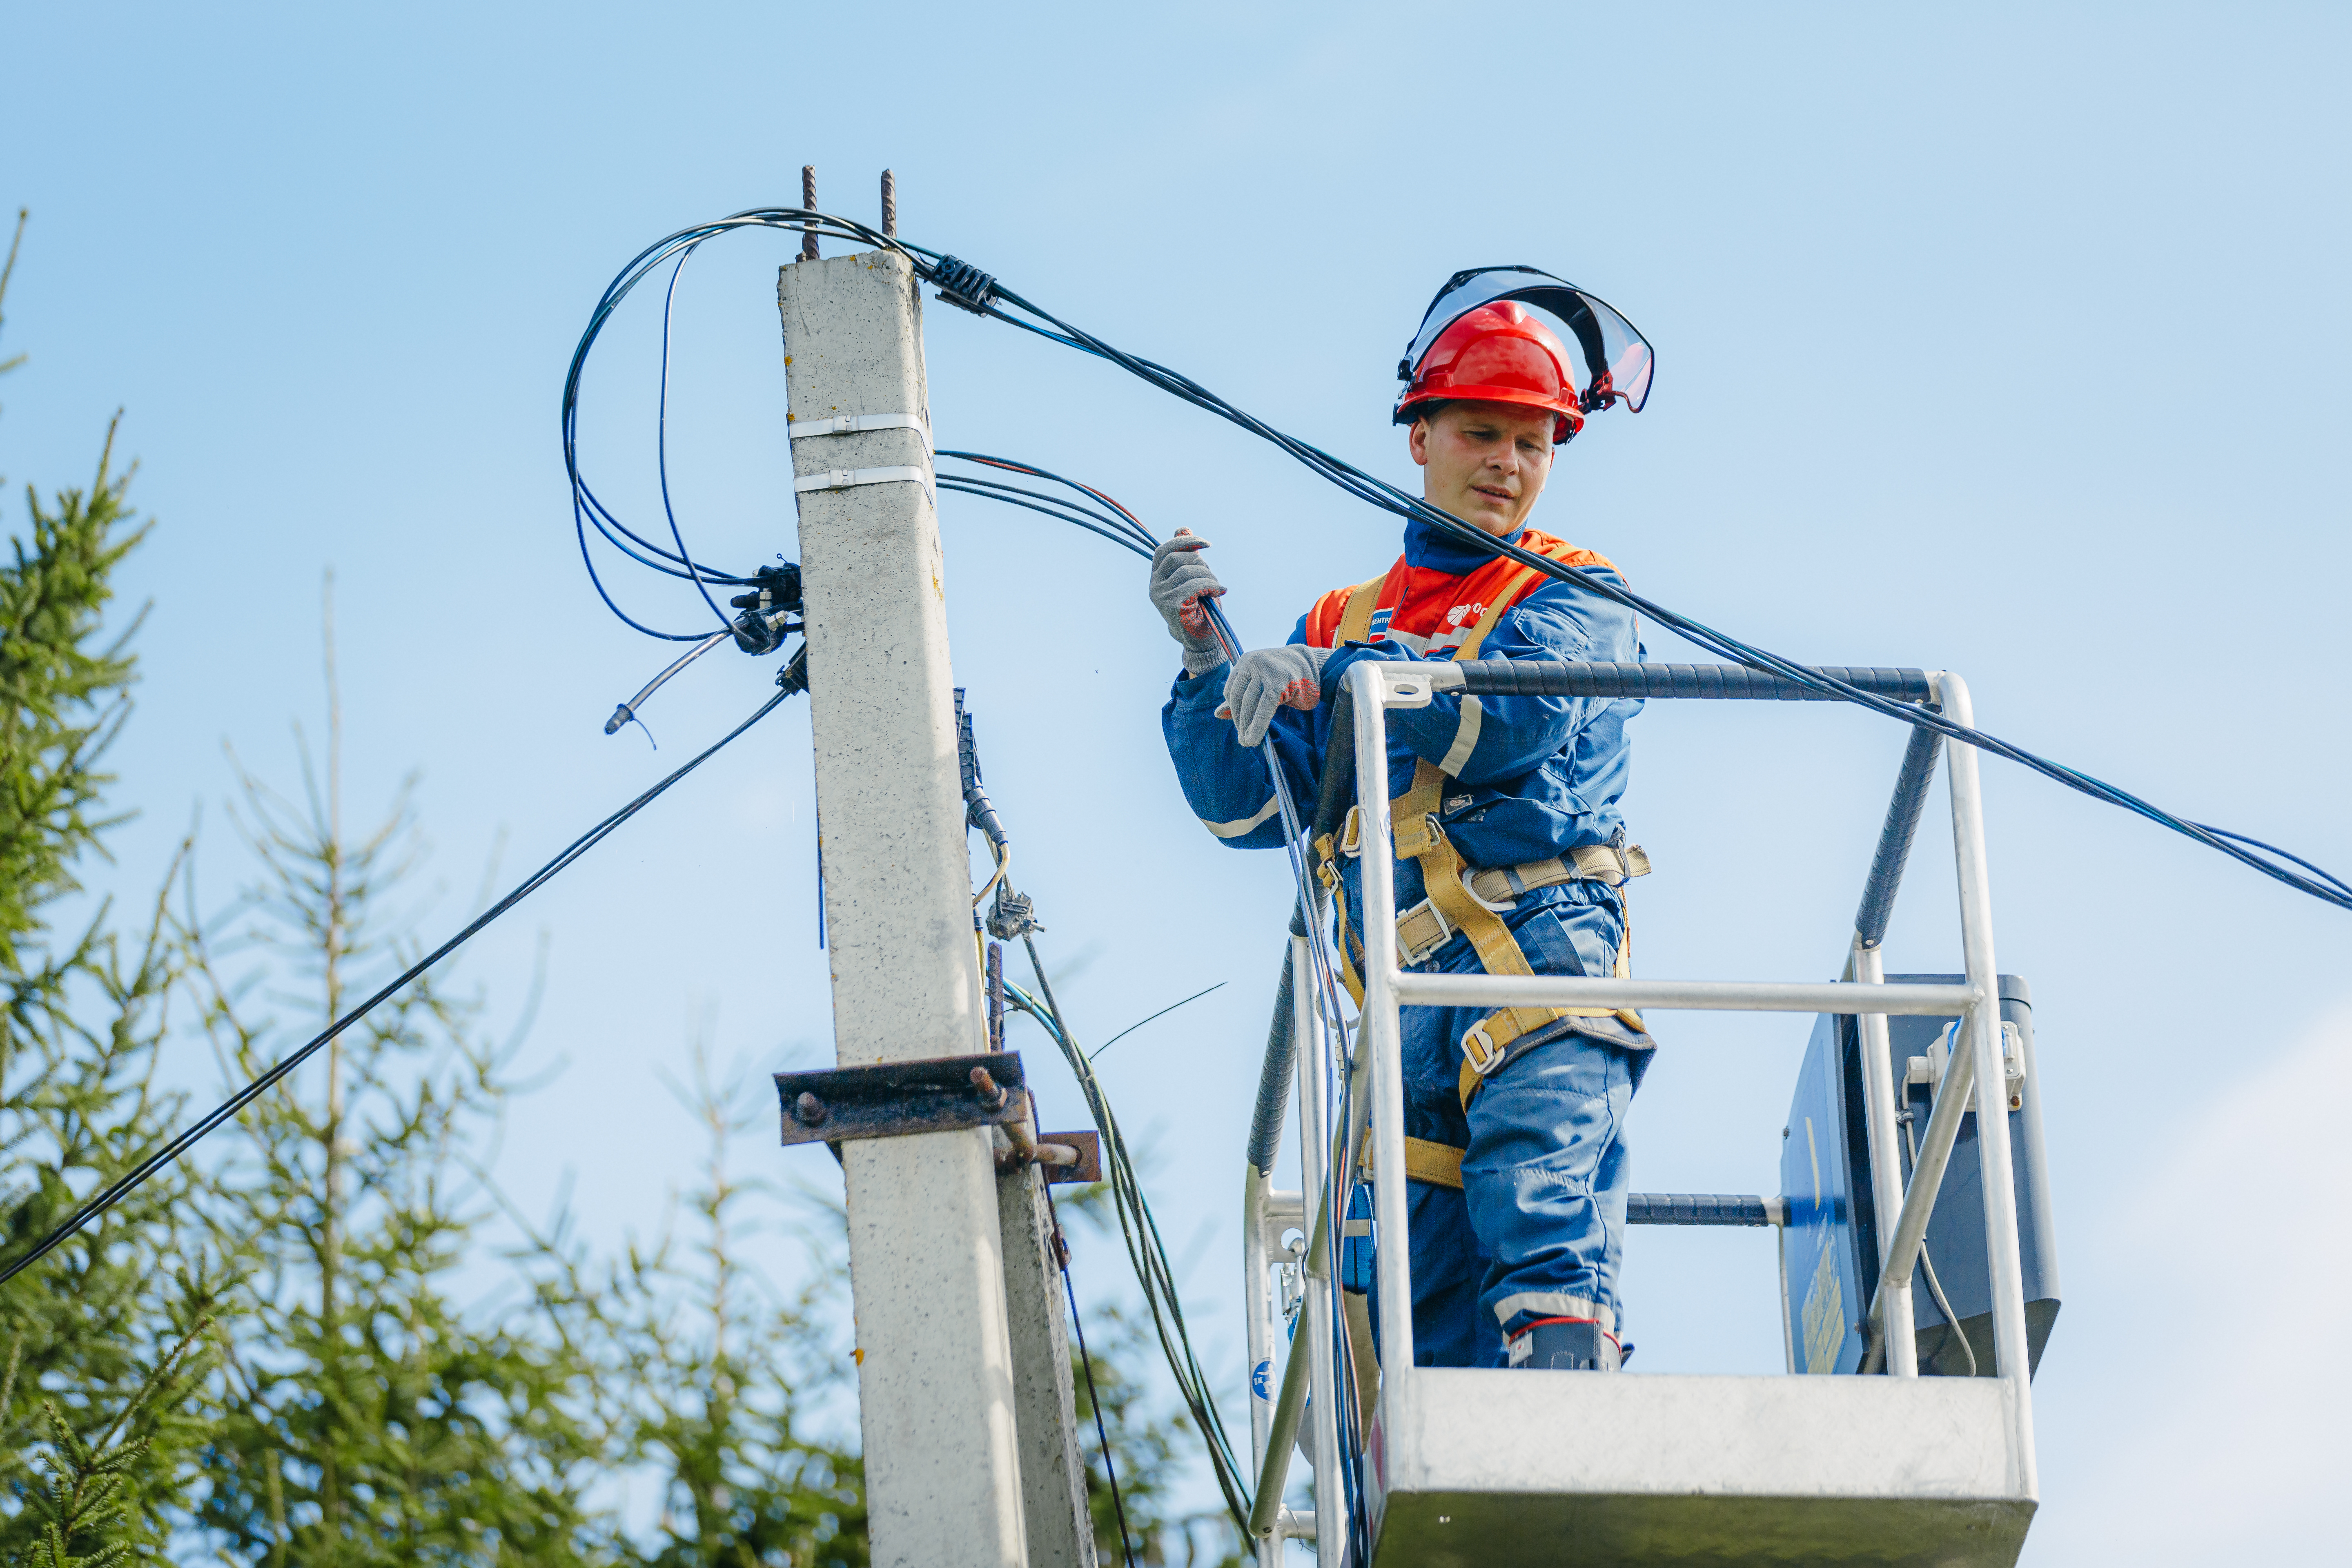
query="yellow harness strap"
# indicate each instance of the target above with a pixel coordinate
(1355, 626)
(1439, 1165)
(1425, 1160)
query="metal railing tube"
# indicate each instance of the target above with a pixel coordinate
(1705, 682)
(1315, 1157)
(1258, 1304)
(1895, 839)
(1415, 989)
(1282, 1436)
(1281, 1054)
(1866, 965)
(1372, 685)
(1316, 1136)
(1999, 1184)
(1919, 1197)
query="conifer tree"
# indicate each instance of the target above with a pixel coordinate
(83, 1515)
(716, 1379)
(364, 1416)
(82, 1018)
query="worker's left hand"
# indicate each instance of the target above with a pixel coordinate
(1266, 679)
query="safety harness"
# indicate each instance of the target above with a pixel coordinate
(1460, 899)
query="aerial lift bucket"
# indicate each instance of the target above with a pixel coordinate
(1867, 1462)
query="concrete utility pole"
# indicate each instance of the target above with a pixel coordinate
(935, 1376)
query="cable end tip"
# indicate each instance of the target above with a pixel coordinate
(621, 716)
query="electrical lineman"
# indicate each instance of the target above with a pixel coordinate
(1512, 851)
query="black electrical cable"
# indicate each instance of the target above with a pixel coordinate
(1060, 513)
(1134, 523)
(1147, 1251)
(1928, 1264)
(1102, 1433)
(1378, 492)
(227, 1108)
(1113, 527)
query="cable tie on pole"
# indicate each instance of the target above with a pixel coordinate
(843, 479)
(962, 285)
(849, 423)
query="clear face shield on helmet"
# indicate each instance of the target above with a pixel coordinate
(1618, 360)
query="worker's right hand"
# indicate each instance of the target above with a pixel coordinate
(1180, 581)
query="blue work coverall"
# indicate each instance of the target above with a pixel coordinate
(1537, 1229)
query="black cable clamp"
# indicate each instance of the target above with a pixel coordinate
(793, 678)
(964, 286)
(1012, 916)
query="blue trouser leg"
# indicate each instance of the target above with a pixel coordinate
(1545, 1182)
(1447, 1266)
(1537, 1229)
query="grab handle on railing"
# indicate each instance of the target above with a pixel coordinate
(1894, 839)
(1714, 682)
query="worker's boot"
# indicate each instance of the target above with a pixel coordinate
(1566, 1344)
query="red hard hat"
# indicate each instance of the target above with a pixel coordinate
(1497, 353)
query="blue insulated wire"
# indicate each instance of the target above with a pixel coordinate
(598, 582)
(661, 442)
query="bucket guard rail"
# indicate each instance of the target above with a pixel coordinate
(1492, 1465)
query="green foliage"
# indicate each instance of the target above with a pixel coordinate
(62, 699)
(82, 1024)
(87, 1496)
(1149, 1439)
(710, 1380)
(364, 1417)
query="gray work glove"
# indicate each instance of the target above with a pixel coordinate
(1266, 679)
(1181, 579)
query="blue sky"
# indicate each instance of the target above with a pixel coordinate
(2009, 339)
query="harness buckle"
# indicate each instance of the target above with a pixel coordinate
(1414, 839)
(1351, 834)
(1422, 930)
(1479, 1051)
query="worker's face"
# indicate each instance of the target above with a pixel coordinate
(1485, 462)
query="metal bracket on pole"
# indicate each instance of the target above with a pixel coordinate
(1064, 1157)
(897, 1099)
(937, 1094)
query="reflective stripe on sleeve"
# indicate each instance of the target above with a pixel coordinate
(1236, 829)
(1466, 739)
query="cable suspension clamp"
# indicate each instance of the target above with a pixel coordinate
(843, 479)
(849, 423)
